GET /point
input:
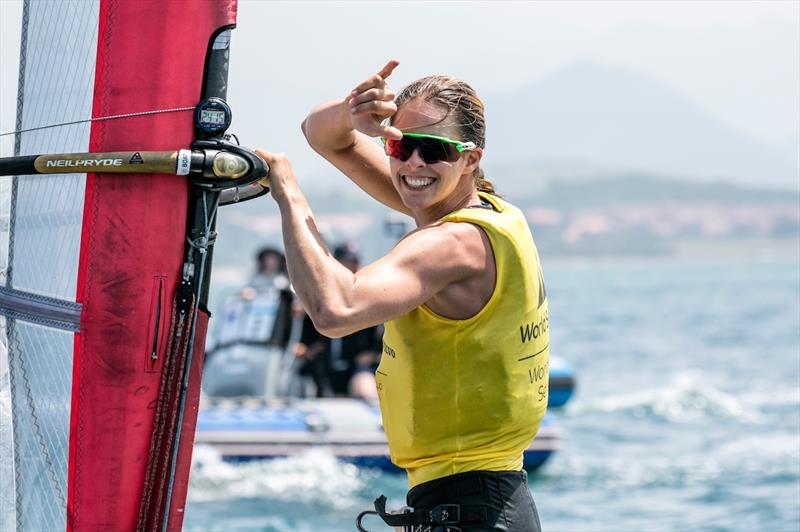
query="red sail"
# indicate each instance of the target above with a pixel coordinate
(150, 56)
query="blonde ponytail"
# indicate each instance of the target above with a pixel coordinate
(483, 184)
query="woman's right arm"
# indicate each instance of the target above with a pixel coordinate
(341, 132)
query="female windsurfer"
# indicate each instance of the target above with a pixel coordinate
(462, 298)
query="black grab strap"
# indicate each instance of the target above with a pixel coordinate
(443, 514)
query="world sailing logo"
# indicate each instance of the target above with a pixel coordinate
(532, 331)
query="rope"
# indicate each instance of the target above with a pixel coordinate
(208, 217)
(168, 373)
(100, 119)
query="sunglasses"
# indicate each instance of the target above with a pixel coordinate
(431, 148)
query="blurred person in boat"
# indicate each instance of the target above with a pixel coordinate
(250, 333)
(342, 366)
(463, 372)
(271, 272)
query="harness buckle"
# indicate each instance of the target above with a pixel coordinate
(446, 514)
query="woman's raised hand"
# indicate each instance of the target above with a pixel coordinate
(371, 102)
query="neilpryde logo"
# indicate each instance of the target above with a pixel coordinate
(76, 163)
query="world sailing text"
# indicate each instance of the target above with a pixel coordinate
(532, 331)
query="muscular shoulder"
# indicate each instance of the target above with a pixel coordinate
(459, 246)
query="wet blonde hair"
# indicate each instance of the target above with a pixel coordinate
(459, 98)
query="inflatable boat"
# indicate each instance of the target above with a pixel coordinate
(250, 428)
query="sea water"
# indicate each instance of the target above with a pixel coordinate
(686, 415)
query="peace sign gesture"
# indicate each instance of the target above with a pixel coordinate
(371, 102)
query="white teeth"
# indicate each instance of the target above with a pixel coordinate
(418, 181)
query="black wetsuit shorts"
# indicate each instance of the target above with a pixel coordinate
(488, 500)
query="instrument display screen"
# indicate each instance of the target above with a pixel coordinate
(212, 116)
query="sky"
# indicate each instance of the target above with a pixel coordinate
(740, 60)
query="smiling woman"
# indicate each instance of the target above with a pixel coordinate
(458, 400)
(465, 108)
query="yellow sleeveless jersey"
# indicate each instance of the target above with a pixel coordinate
(468, 395)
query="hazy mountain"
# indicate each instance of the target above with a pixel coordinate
(588, 117)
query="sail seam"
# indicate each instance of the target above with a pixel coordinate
(23, 55)
(11, 324)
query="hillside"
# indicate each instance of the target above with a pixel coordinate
(601, 118)
(631, 214)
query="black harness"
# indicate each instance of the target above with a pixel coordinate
(440, 518)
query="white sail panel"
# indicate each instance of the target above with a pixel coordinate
(8, 513)
(40, 235)
(58, 58)
(40, 379)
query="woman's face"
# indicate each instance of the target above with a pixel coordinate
(422, 185)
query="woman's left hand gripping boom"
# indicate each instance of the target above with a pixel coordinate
(340, 302)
